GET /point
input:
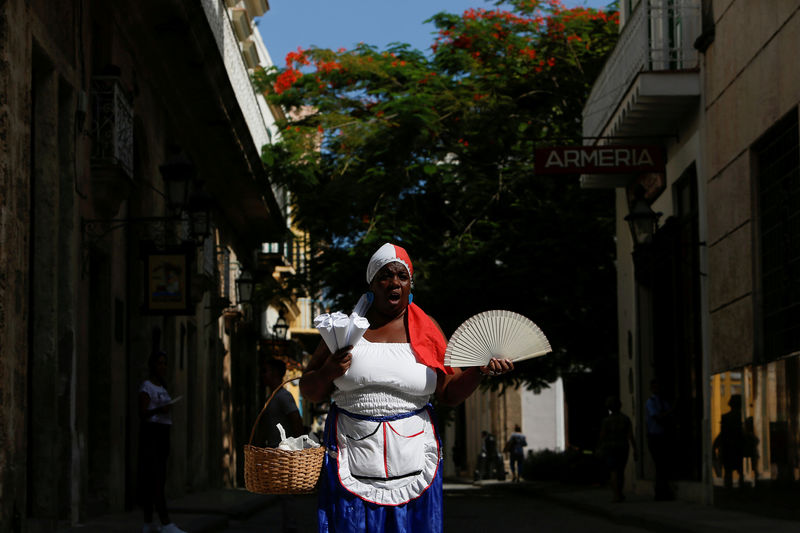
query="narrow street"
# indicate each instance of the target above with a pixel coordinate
(468, 508)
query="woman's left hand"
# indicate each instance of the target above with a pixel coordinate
(497, 367)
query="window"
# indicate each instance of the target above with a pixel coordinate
(777, 158)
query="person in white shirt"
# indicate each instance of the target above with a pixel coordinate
(156, 421)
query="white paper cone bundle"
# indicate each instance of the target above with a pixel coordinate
(339, 330)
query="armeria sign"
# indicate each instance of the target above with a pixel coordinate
(599, 159)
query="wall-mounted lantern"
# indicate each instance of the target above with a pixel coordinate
(244, 287)
(642, 221)
(280, 328)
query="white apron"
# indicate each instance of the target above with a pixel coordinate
(387, 449)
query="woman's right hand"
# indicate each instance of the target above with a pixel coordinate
(316, 384)
(338, 363)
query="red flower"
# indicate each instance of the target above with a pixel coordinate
(286, 79)
(298, 58)
(327, 66)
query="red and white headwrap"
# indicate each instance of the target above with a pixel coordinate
(427, 341)
(388, 253)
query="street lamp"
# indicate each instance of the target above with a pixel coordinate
(280, 328)
(643, 221)
(199, 209)
(244, 287)
(178, 173)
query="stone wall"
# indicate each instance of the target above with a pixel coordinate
(748, 87)
(14, 244)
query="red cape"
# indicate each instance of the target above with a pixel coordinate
(427, 341)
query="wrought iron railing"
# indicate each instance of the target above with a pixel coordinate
(293, 250)
(659, 36)
(112, 125)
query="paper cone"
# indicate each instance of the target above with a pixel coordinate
(319, 319)
(358, 325)
(324, 325)
(340, 327)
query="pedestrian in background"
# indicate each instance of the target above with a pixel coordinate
(154, 430)
(616, 434)
(729, 444)
(751, 447)
(514, 448)
(281, 410)
(659, 435)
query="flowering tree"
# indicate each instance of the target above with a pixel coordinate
(435, 152)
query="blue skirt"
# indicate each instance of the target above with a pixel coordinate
(341, 511)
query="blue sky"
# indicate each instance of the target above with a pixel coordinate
(344, 23)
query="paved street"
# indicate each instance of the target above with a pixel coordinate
(467, 508)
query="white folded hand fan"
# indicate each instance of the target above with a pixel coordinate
(496, 333)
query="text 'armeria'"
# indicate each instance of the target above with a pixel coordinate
(599, 159)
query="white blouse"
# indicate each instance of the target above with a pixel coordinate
(384, 379)
(158, 398)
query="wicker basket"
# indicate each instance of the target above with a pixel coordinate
(274, 471)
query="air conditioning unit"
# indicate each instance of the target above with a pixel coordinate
(241, 23)
(250, 54)
(256, 8)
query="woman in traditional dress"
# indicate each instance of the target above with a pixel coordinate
(383, 469)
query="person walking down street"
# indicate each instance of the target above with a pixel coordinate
(659, 434)
(729, 444)
(616, 434)
(514, 447)
(282, 410)
(154, 431)
(490, 461)
(751, 447)
(383, 469)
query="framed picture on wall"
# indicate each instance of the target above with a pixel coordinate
(167, 280)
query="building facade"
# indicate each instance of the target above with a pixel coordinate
(541, 416)
(105, 106)
(707, 300)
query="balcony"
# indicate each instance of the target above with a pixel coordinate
(282, 258)
(112, 143)
(651, 79)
